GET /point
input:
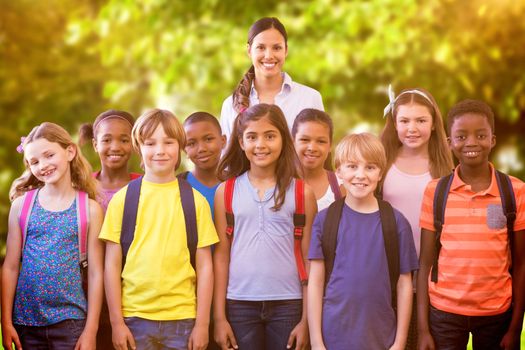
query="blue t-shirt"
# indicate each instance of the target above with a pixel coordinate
(357, 308)
(207, 192)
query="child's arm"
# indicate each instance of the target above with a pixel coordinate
(426, 259)
(223, 332)
(404, 310)
(199, 335)
(299, 334)
(512, 337)
(10, 271)
(95, 250)
(112, 269)
(315, 303)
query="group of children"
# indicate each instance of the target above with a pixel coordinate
(290, 254)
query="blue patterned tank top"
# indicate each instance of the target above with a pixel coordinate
(49, 286)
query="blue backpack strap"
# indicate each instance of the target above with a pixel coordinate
(129, 218)
(190, 218)
(334, 184)
(440, 203)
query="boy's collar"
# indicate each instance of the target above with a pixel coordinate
(492, 190)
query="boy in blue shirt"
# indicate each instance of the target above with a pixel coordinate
(204, 144)
(355, 309)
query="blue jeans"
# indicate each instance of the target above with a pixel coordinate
(451, 331)
(263, 325)
(150, 334)
(59, 336)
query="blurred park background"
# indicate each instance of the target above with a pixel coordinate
(66, 61)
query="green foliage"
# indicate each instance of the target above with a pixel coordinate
(66, 61)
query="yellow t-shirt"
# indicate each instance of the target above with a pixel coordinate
(158, 281)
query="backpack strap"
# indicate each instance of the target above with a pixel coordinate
(299, 221)
(82, 204)
(183, 175)
(229, 186)
(440, 203)
(329, 236)
(389, 228)
(25, 213)
(190, 218)
(334, 184)
(129, 217)
(508, 202)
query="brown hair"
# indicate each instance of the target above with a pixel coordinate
(235, 162)
(88, 131)
(241, 95)
(148, 122)
(198, 117)
(318, 116)
(470, 106)
(363, 146)
(440, 158)
(80, 169)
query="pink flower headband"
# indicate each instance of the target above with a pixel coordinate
(20, 147)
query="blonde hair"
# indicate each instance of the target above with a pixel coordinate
(363, 146)
(80, 169)
(148, 122)
(439, 156)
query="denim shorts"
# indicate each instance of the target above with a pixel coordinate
(151, 334)
(59, 336)
(263, 325)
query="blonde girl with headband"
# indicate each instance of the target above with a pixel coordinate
(265, 81)
(44, 305)
(417, 152)
(110, 135)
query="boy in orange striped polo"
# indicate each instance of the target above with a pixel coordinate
(474, 291)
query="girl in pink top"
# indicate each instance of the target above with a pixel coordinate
(111, 138)
(417, 152)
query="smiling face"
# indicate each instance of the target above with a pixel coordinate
(262, 143)
(48, 161)
(268, 52)
(414, 126)
(160, 155)
(112, 142)
(204, 144)
(312, 144)
(360, 177)
(471, 140)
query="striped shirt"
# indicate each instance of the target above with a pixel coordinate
(473, 271)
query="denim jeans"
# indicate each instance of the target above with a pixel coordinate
(59, 336)
(451, 331)
(151, 335)
(263, 325)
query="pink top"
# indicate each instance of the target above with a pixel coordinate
(104, 195)
(405, 193)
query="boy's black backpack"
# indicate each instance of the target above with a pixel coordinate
(389, 228)
(129, 218)
(508, 203)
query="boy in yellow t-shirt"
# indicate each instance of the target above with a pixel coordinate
(157, 298)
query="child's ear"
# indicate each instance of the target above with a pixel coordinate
(94, 143)
(449, 142)
(223, 141)
(493, 141)
(71, 151)
(248, 46)
(241, 144)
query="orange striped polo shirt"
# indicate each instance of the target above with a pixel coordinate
(473, 271)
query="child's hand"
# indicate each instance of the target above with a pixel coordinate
(122, 337)
(87, 341)
(425, 341)
(510, 340)
(299, 336)
(198, 338)
(223, 335)
(10, 336)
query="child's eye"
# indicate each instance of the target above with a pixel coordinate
(50, 155)
(482, 137)
(34, 162)
(190, 144)
(210, 139)
(371, 167)
(277, 47)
